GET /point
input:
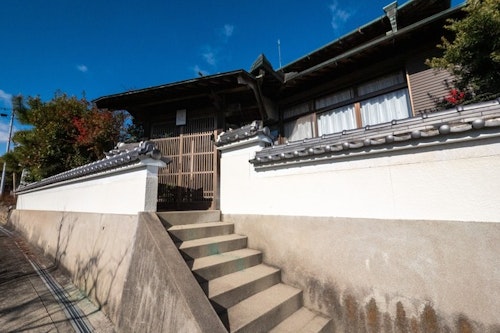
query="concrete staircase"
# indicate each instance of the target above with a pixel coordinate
(247, 294)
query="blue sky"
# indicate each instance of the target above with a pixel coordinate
(102, 47)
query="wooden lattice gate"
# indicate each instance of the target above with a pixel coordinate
(190, 181)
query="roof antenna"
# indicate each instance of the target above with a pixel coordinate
(279, 53)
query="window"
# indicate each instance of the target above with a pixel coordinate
(377, 101)
(334, 99)
(300, 128)
(384, 108)
(381, 83)
(337, 120)
(296, 110)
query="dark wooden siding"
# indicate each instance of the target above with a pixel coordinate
(427, 85)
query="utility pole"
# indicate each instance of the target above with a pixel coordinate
(2, 183)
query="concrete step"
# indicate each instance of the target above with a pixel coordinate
(209, 246)
(246, 294)
(265, 310)
(231, 289)
(212, 267)
(188, 217)
(304, 321)
(186, 232)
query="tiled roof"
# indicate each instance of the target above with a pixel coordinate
(461, 123)
(242, 133)
(123, 155)
(407, 14)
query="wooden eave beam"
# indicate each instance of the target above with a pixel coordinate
(253, 85)
(168, 100)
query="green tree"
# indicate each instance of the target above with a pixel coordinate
(473, 56)
(61, 134)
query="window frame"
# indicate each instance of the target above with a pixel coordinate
(355, 101)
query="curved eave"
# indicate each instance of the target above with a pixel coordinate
(173, 91)
(366, 50)
(408, 14)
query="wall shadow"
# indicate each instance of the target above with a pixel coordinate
(26, 303)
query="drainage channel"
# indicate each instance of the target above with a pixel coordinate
(74, 315)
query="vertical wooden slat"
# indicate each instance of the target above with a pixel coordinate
(180, 159)
(215, 181)
(193, 174)
(191, 157)
(357, 111)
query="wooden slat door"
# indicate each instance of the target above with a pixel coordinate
(190, 181)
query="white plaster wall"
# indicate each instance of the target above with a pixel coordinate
(458, 182)
(127, 190)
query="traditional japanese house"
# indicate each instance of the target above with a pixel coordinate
(344, 196)
(372, 75)
(184, 118)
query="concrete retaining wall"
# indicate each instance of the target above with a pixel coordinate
(161, 294)
(127, 264)
(95, 249)
(379, 274)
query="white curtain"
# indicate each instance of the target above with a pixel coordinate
(299, 129)
(337, 120)
(384, 108)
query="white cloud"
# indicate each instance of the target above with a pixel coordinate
(82, 68)
(339, 15)
(5, 98)
(228, 30)
(198, 71)
(212, 53)
(209, 57)
(4, 133)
